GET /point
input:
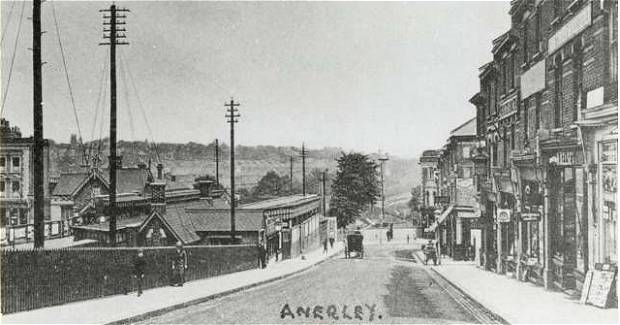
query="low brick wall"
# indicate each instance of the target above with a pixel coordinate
(32, 279)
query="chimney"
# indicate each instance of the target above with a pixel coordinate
(205, 187)
(160, 168)
(158, 192)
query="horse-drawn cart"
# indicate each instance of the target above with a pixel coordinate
(354, 244)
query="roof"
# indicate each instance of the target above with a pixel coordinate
(466, 129)
(219, 219)
(128, 180)
(290, 200)
(68, 183)
(180, 222)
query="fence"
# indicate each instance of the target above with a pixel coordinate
(38, 278)
(25, 232)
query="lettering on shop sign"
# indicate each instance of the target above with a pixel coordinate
(364, 312)
(565, 158)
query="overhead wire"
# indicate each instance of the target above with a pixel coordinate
(98, 108)
(68, 79)
(8, 21)
(142, 111)
(128, 104)
(8, 82)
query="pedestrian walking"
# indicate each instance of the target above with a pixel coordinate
(407, 239)
(331, 242)
(262, 254)
(324, 245)
(346, 247)
(139, 265)
(179, 265)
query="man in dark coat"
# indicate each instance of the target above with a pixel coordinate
(179, 265)
(139, 264)
(262, 255)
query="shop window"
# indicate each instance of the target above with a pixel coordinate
(610, 238)
(23, 216)
(16, 186)
(608, 152)
(16, 162)
(14, 216)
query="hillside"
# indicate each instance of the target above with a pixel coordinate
(186, 161)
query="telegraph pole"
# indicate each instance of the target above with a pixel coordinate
(324, 193)
(291, 174)
(217, 163)
(113, 20)
(39, 193)
(303, 169)
(232, 115)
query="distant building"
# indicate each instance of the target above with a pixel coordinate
(17, 186)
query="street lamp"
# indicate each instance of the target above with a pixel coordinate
(382, 160)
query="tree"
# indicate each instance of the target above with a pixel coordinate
(271, 185)
(355, 188)
(414, 202)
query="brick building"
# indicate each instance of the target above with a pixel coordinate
(17, 187)
(546, 150)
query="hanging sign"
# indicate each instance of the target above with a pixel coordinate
(503, 215)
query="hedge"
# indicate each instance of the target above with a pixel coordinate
(38, 278)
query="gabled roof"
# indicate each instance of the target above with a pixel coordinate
(69, 183)
(219, 219)
(128, 180)
(466, 129)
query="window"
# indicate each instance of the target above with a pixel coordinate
(466, 152)
(557, 83)
(512, 137)
(526, 121)
(3, 217)
(2, 186)
(15, 162)
(466, 172)
(14, 216)
(537, 31)
(505, 141)
(15, 186)
(613, 42)
(526, 27)
(23, 216)
(538, 110)
(577, 79)
(2, 161)
(608, 153)
(557, 8)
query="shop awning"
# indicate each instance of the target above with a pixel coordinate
(444, 215)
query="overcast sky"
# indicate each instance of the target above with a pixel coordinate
(394, 76)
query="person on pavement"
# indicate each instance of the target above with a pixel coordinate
(430, 252)
(179, 265)
(139, 264)
(331, 242)
(262, 252)
(324, 245)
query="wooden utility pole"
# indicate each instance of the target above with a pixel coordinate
(217, 163)
(113, 20)
(291, 174)
(232, 113)
(37, 151)
(383, 160)
(303, 169)
(324, 192)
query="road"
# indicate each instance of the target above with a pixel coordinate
(380, 288)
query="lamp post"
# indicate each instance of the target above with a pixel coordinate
(382, 160)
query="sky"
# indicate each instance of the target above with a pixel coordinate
(364, 76)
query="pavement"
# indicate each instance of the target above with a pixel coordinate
(520, 302)
(131, 308)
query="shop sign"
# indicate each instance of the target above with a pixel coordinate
(531, 214)
(565, 158)
(503, 215)
(442, 199)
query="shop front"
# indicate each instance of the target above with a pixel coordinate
(506, 226)
(567, 214)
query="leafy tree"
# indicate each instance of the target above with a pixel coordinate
(414, 202)
(271, 185)
(355, 188)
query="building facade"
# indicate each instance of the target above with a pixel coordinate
(545, 153)
(17, 187)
